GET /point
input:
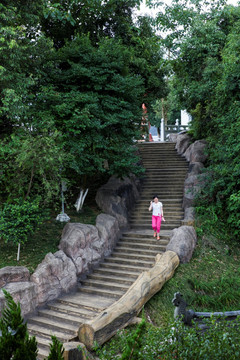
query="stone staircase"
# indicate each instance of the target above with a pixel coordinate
(134, 253)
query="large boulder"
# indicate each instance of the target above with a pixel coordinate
(117, 197)
(195, 168)
(55, 275)
(189, 216)
(182, 143)
(83, 245)
(14, 274)
(183, 241)
(192, 186)
(173, 137)
(109, 233)
(196, 152)
(23, 292)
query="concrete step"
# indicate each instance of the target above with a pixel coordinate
(80, 301)
(144, 226)
(116, 278)
(137, 255)
(145, 214)
(125, 267)
(46, 333)
(43, 347)
(60, 315)
(71, 311)
(129, 262)
(153, 243)
(54, 326)
(141, 237)
(108, 293)
(133, 273)
(131, 249)
(106, 285)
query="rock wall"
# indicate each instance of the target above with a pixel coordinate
(117, 197)
(183, 239)
(195, 154)
(81, 248)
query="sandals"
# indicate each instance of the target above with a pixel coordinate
(155, 234)
(158, 238)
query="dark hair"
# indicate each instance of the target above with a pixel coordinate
(155, 196)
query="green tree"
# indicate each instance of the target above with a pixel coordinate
(96, 104)
(15, 343)
(56, 350)
(19, 220)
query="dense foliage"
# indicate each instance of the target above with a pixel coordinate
(203, 40)
(73, 78)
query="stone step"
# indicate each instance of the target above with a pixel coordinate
(162, 196)
(46, 333)
(136, 236)
(62, 315)
(70, 310)
(143, 226)
(141, 215)
(116, 278)
(137, 256)
(143, 207)
(125, 267)
(106, 285)
(108, 293)
(129, 262)
(43, 347)
(115, 272)
(131, 249)
(83, 301)
(138, 243)
(152, 243)
(168, 202)
(54, 326)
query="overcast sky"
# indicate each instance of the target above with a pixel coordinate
(145, 10)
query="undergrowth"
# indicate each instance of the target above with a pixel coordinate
(46, 239)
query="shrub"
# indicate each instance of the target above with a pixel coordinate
(15, 343)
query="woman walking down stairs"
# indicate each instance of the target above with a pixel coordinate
(135, 251)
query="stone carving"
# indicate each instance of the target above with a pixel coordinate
(181, 309)
(183, 241)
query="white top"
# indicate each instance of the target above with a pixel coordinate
(157, 208)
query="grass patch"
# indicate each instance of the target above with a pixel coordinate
(46, 239)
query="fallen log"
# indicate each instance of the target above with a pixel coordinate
(123, 312)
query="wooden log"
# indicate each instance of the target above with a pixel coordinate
(121, 313)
